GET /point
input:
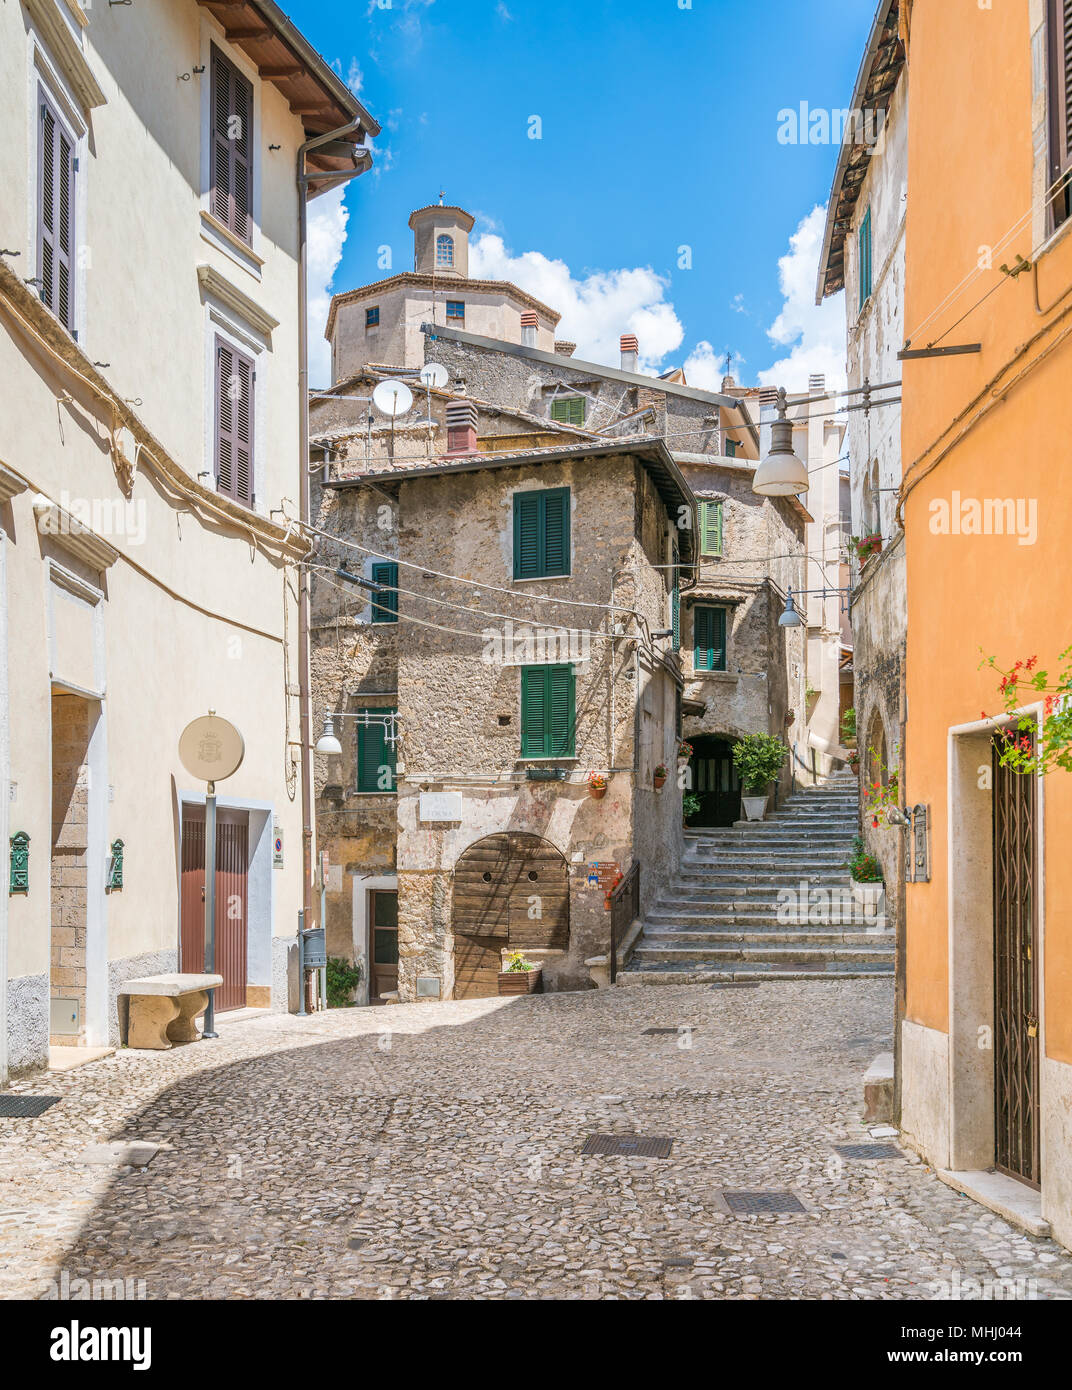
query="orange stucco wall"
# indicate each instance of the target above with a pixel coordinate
(970, 182)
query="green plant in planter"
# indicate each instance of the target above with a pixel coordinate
(690, 805)
(518, 964)
(848, 726)
(862, 866)
(343, 979)
(758, 759)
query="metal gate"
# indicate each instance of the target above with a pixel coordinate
(1016, 1042)
(232, 872)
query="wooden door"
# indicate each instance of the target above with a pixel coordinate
(715, 781)
(232, 901)
(511, 890)
(1016, 995)
(383, 955)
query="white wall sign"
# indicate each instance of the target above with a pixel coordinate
(441, 806)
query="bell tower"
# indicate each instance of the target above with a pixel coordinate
(441, 241)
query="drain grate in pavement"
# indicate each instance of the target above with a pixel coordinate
(25, 1107)
(660, 1032)
(737, 984)
(760, 1203)
(627, 1145)
(867, 1151)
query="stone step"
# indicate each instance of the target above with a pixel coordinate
(770, 955)
(788, 878)
(746, 921)
(746, 972)
(812, 937)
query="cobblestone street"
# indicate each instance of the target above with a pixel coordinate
(328, 1158)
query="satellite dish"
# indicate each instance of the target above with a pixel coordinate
(392, 398)
(434, 374)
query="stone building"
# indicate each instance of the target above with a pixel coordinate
(864, 255)
(149, 441)
(520, 644)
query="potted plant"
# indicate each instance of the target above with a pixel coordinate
(597, 785)
(865, 873)
(758, 759)
(520, 976)
(684, 751)
(690, 806)
(848, 728)
(866, 546)
(660, 777)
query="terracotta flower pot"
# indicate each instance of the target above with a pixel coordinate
(521, 981)
(597, 793)
(660, 781)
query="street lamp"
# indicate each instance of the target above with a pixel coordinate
(327, 742)
(782, 473)
(791, 617)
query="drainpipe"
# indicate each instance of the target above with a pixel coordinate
(305, 502)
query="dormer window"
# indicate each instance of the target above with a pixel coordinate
(444, 250)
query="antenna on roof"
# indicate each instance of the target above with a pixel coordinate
(442, 195)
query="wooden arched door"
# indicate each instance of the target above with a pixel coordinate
(510, 890)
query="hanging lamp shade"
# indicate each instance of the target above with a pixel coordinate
(782, 473)
(791, 616)
(327, 742)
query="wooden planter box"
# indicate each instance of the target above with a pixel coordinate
(521, 981)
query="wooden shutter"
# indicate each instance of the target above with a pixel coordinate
(709, 644)
(385, 606)
(864, 258)
(55, 215)
(569, 410)
(1059, 33)
(560, 685)
(711, 528)
(231, 150)
(541, 533)
(375, 755)
(235, 382)
(533, 712)
(548, 717)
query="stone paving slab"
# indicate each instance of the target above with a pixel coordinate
(434, 1151)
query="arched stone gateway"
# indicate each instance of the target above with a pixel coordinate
(510, 890)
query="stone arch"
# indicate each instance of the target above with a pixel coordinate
(876, 749)
(510, 890)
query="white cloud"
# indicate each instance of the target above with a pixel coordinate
(704, 367)
(328, 216)
(814, 334)
(596, 308)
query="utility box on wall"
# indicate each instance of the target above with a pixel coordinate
(66, 1017)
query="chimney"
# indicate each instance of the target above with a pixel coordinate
(461, 428)
(563, 348)
(816, 383)
(529, 324)
(630, 351)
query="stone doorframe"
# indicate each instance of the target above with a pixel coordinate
(362, 928)
(970, 861)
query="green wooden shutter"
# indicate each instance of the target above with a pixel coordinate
(556, 558)
(711, 528)
(560, 686)
(526, 535)
(533, 711)
(375, 756)
(709, 639)
(541, 533)
(569, 410)
(385, 606)
(865, 258)
(548, 714)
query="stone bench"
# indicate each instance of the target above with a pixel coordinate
(164, 1008)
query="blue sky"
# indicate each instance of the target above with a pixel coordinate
(658, 123)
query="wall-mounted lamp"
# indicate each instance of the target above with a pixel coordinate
(790, 617)
(782, 473)
(328, 743)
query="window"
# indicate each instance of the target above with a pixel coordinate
(372, 316)
(375, 754)
(385, 605)
(675, 599)
(236, 379)
(444, 250)
(231, 153)
(547, 712)
(1059, 34)
(55, 214)
(456, 309)
(864, 259)
(709, 639)
(569, 410)
(541, 533)
(711, 529)
(731, 448)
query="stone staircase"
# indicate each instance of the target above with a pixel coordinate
(768, 900)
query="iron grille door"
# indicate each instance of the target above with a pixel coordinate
(1016, 1043)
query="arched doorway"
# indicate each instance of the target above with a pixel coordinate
(510, 890)
(714, 780)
